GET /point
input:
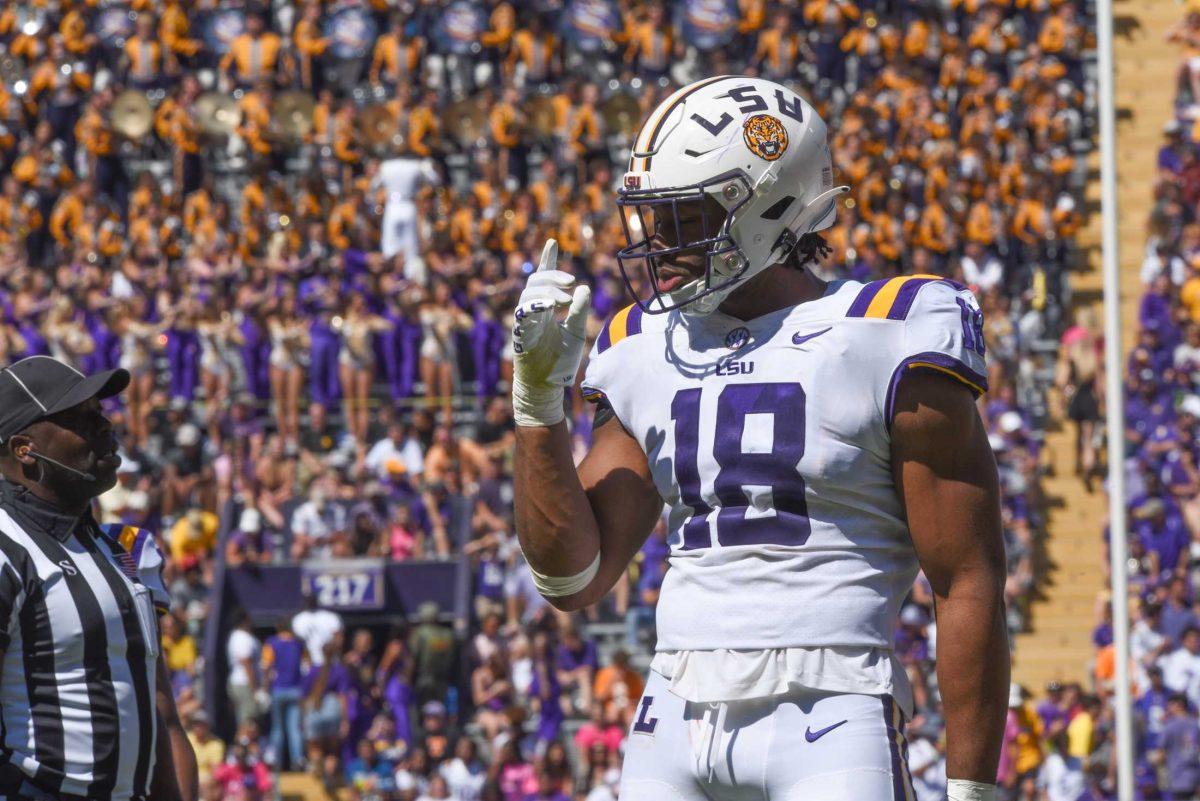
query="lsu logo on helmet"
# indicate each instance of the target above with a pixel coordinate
(765, 136)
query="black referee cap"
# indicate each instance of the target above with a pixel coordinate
(40, 386)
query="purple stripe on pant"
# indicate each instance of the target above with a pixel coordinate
(889, 714)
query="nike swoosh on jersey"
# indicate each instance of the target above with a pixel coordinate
(800, 339)
(813, 736)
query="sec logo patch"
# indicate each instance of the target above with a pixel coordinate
(737, 338)
(765, 136)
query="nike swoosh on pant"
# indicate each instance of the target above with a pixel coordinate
(813, 736)
(800, 339)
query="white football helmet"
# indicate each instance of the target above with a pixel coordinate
(755, 147)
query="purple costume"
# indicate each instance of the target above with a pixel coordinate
(551, 716)
(487, 343)
(183, 356)
(400, 346)
(256, 354)
(323, 371)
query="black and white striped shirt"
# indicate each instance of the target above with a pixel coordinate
(79, 633)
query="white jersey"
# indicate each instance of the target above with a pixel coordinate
(769, 441)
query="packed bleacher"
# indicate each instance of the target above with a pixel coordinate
(1162, 404)
(303, 228)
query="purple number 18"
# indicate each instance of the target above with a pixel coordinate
(745, 468)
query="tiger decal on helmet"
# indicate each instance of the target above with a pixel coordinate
(765, 136)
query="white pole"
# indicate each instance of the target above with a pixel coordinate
(1114, 399)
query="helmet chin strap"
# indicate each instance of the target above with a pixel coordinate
(808, 219)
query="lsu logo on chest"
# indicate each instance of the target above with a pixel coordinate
(730, 367)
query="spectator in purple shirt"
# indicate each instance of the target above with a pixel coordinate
(546, 689)
(1163, 534)
(1177, 615)
(654, 555)
(398, 694)
(489, 577)
(1051, 709)
(912, 645)
(246, 544)
(325, 688)
(547, 791)
(1155, 311)
(1170, 155)
(1181, 749)
(1102, 635)
(281, 663)
(1147, 407)
(577, 664)
(1151, 707)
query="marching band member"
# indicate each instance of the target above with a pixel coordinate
(174, 31)
(144, 56)
(396, 58)
(253, 55)
(310, 44)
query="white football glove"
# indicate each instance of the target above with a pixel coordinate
(547, 352)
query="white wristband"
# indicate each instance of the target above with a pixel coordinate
(560, 586)
(542, 406)
(967, 790)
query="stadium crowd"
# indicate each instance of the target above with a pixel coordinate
(303, 233)
(1162, 400)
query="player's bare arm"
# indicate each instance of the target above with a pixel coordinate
(565, 517)
(578, 529)
(946, 478)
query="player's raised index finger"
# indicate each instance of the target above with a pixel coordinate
(549, 256)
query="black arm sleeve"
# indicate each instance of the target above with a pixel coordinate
(604, 413)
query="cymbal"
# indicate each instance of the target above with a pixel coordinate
(292, 112)
(380, 128)
(131, 115)
(467, 120)
(218, 114)
(621, 113)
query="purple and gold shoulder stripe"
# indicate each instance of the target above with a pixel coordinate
(892, 299)
(625, 323)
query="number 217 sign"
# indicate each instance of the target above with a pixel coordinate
(353, 585)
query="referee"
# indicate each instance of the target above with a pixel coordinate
(86, 710)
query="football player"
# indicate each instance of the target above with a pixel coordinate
(814, 444)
